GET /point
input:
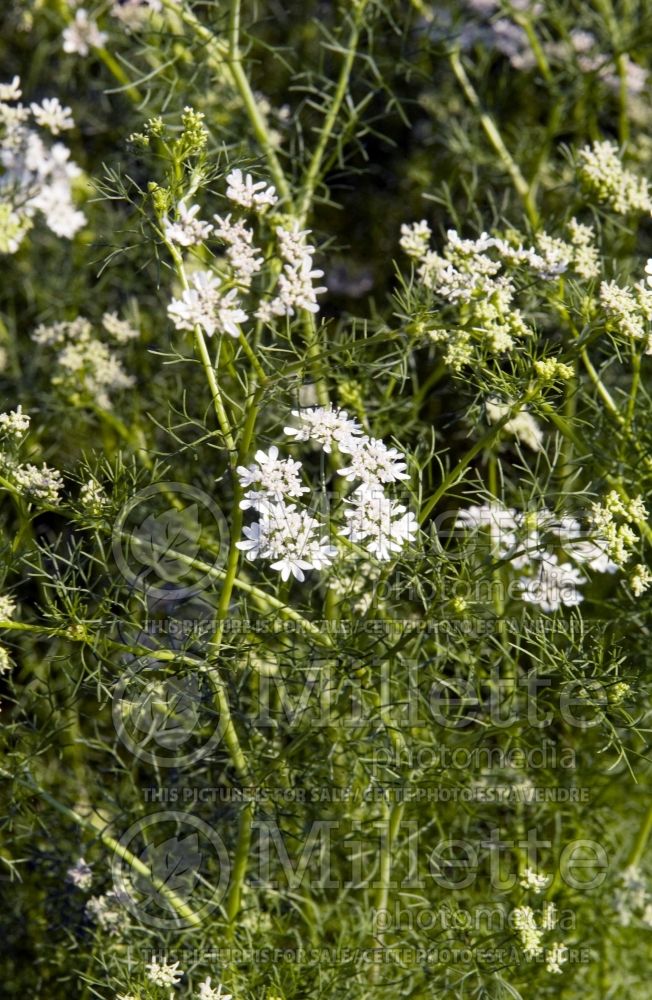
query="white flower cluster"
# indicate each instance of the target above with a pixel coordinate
(215, 310)
(632, 901)
(5, 661)
(106, 911)
(613, 519)
(84, 365)
(479, 278)
(92, 497)
(295, 289)
(628, 309)
(604, 178)
(204, 304)
(167, 974)
(35, 177)
(531, 932)
(242, 255)
(161, 973)
(291, 538)
(187, 230)
(134, 13)
(640, 579)
(42, 485)
(14, 424)
(533, 880)
(7, 607)
(527, 541)
(82, 35)
(244, 191)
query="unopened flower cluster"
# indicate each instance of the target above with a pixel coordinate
(475, 284)
(530, 542)
(36, 177)
(605, 179)
(615, 518)
(221, 299)
(290, 537)
(85, 367)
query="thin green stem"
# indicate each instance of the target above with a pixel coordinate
(392, 823)
(642, 838)
(491, 131)
(256, 119)
(314, 167)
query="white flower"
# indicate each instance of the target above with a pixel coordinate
(556, 957)
(93, 497)
(119, 329)
(162, 974)
(51, 114)
(204, 305)
(640, 579)
(42, 484)
(80, 875)
(295, 289)
(293, 246)
(82, 35)
(548, 916)
(106, 911)
(133, 13)
(327, 426)
(5, 661)
(242, 255)
(384, 525)
(7, 607)
(187, 230)
(276, 477)
(531, 880)
(249, 193)
(289, 539)
(415, 238)
(207, 992)
(15, 423)
(39, 179)
(373, 462)
(530, 935)
(648, 271)
(11, 91)
(603, 176)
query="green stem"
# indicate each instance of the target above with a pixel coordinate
(312, 173)
(641, 840)
(255, 117)
(393, 817)
(491, 131)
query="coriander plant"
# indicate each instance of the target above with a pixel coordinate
(325, 461)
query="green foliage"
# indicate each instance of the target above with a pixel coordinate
(347, 785)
